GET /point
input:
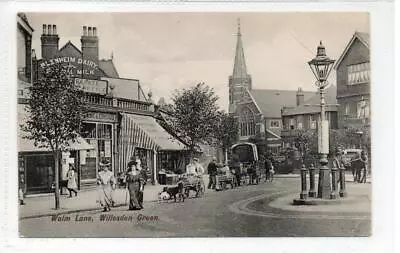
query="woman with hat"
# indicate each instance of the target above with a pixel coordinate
(134, 181)
(106, 184)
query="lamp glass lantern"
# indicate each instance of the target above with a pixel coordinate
(321, 66)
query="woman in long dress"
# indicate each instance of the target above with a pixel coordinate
(135, 182)
(106, 183)
(71, 185)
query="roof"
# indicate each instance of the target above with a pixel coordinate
(239, 67)
(363, 37)
(108, 68)
(126, 88)
(271, 102)
(312, 105)
(70, 44)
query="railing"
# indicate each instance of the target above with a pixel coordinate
(134, 105)
(99, 100)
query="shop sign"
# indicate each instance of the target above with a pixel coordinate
(98, 116)
(77, 65)
(92, 86)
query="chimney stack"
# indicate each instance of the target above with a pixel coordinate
(49, 41)
(299, 97)
(90, 44)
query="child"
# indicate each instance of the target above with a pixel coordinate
(271, 173)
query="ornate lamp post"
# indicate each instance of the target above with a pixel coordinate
(321, 66)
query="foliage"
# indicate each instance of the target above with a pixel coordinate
(195, 114)
(55, 108)
(226, 131)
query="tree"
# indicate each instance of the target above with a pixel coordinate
(56, 109)
(194, 114)
(226, 131)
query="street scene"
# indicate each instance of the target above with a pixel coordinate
(194, 125)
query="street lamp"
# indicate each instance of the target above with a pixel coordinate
(321, 66)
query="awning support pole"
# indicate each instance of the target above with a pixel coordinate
(154, 180)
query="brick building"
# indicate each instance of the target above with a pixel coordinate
(353, 83)
(122, 121)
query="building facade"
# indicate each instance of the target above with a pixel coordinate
(353, 83)
(122, 121)
(258, 111)
(306, 114)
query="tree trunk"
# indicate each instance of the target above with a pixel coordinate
(57, 185)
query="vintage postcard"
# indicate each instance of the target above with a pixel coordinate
(194, 124)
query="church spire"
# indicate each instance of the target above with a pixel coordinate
(239, 67)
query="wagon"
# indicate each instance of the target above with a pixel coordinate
(225, 177)
(249, 168)
(193, 183)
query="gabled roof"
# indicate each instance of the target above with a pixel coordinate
(108, 68)
(363, 37)
(271, 102)
(312, 105)
(70, 44)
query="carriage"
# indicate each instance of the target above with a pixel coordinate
(193, 183)
(247, 168)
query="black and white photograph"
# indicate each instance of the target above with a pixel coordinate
(194, 124)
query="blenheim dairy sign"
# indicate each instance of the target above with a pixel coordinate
(78, 66)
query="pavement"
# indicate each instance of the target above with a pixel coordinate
(43, 205)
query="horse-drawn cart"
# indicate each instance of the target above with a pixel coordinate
(245, 157)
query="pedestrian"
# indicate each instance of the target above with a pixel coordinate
(271, 173)
(191, 168)
(338, 162)
(268, 166)
(135, 186)
(364, 160)
(106, 184)
(21, 186)
(212, 172)
(71, 185)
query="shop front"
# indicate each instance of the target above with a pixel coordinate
(142, 136)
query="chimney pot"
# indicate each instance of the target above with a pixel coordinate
(84, 31)
(90, 31)
(44, 29)
(94, 31)
(54, 29)
(49, 29)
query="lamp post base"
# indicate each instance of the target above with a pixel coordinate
(324, 181)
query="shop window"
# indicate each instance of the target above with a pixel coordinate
(358, 73)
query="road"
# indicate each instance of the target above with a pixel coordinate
(240, 212)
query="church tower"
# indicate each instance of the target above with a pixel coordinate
(239, 78)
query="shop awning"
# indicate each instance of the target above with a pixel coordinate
(26, 145)
(144, 132)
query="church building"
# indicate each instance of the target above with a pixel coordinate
(258, 110)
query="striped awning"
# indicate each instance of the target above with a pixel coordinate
(139, 131)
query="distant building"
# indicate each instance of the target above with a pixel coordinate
(306, 115)
(354, 83)
(258, 110)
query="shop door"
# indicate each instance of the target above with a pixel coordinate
(39, 173)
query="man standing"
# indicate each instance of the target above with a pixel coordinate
(212, 172)
(364, 160)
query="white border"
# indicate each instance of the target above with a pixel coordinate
(382, 132)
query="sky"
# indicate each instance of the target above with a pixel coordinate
(168, 51)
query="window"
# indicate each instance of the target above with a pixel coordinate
(346, 109)
(291, 123)
(363, 109)
(247, 122)
(358, 73)
(313, 122)
(21, 92)
(274, 123)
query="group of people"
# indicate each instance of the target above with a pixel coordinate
(135, 179)
(358, 165)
